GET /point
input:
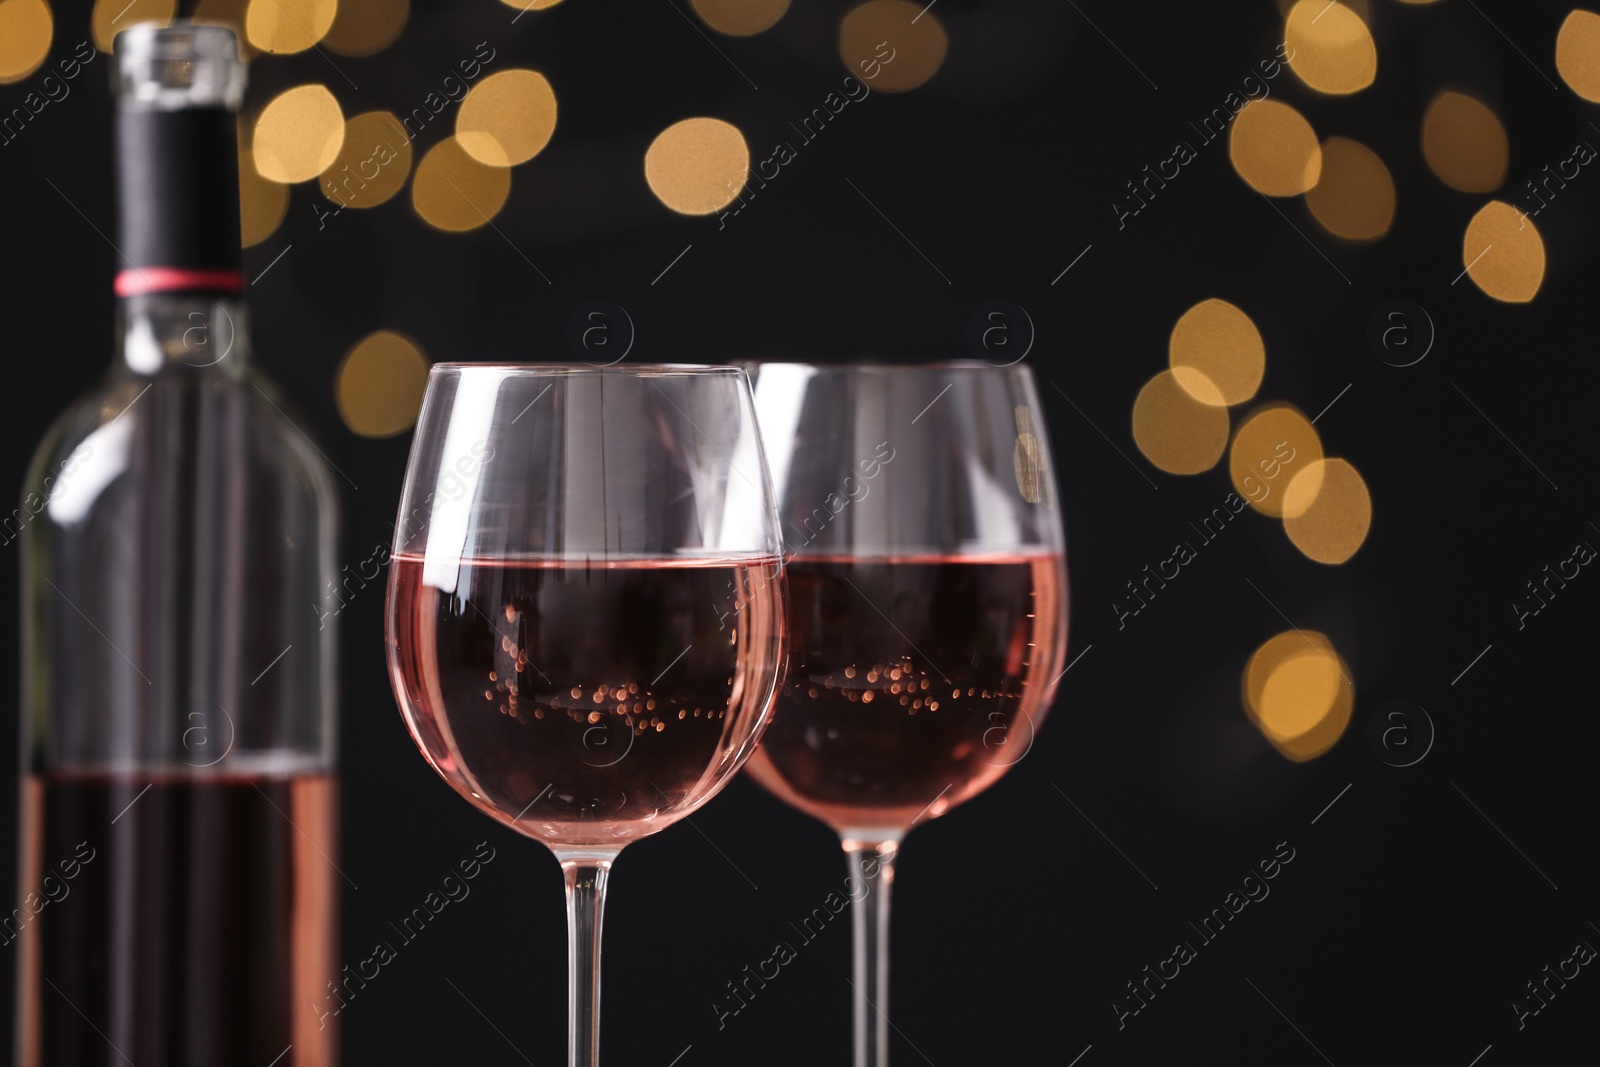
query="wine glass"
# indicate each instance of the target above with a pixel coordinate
(585, 609)
(926, 609)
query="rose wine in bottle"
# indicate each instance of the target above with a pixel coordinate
(177, 895)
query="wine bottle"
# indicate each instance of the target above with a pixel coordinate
(178, 893)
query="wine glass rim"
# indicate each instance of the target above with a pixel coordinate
(548, 369)
(880, 365)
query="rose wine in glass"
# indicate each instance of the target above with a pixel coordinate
(926, 609)
(889, 718)
(596, 702)
(585, 610)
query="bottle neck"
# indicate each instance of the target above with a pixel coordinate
(178, 200)
(178, 234)
(175, 332)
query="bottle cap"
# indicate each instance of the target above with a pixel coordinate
(177, 67)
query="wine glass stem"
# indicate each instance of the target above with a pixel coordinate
(586, 897)
(871, 875)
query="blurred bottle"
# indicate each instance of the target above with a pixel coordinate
(177, 897)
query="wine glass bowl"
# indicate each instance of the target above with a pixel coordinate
(926, 584)
(585, 615)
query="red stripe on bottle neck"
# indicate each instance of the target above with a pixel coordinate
(136, 281)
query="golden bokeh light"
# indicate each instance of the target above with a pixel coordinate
(740, 18)
(1503, 253)
(111, 17)
(283, 27)
(530, 5)
(380, 384)
(454, 192)
(1275, 149)
(262, 203)
(26, 30)
(697, 166)
(373, 164)
(1299, 694)
(1273, 653)
(1464, 143)
(1330, 47)
(366, 27)
(1176, 432)
(507, 118)
(894, 45)
(1578, 53)
(1354, 197)
(1219, 341)
(299, 134)
(1272, 447)
(1327, 510)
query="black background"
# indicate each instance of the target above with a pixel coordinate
(1406, 923)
